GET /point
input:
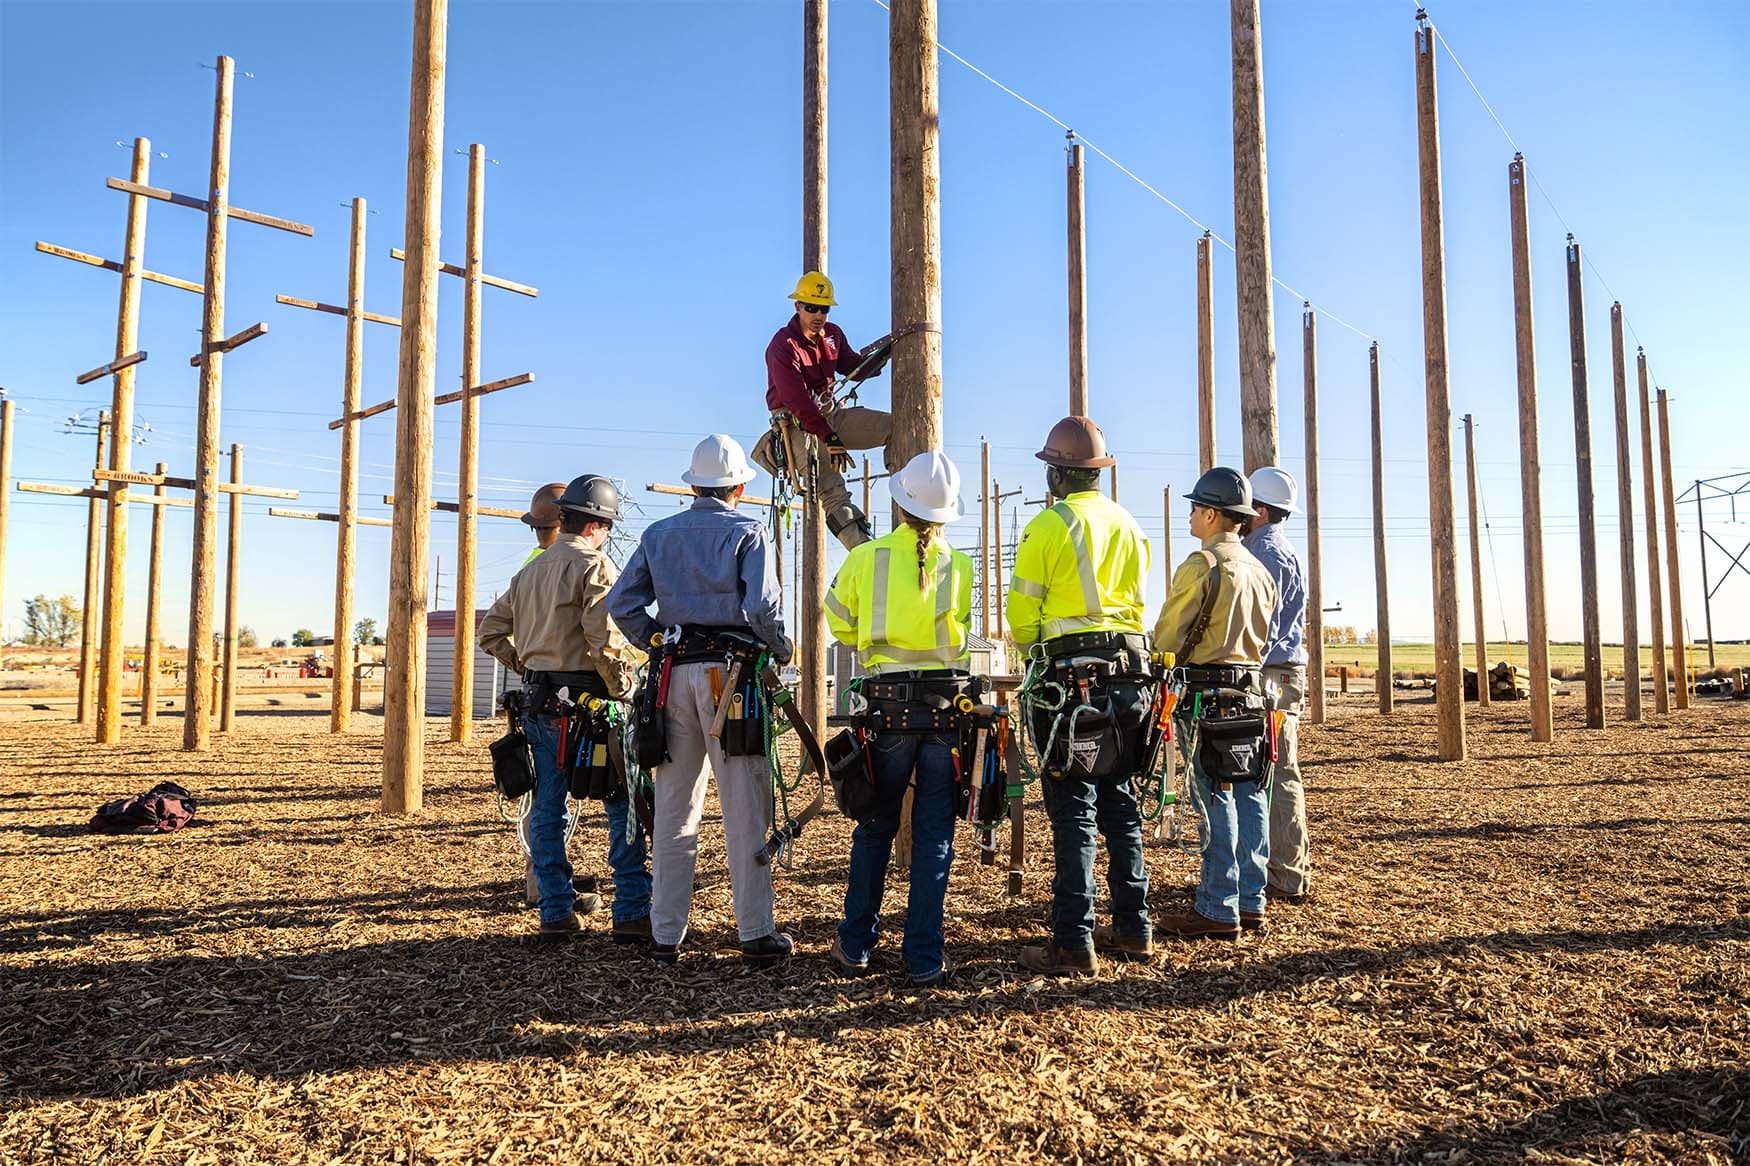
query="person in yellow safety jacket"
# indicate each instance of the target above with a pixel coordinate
(904, 601)
(1080, 579)
(542, 517)
(1216, 622)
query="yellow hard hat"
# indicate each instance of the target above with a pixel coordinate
(814, 288)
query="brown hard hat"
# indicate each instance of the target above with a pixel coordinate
(1076, 443)
(544, 507)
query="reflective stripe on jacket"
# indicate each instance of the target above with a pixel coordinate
(1082, 566)
(876, 606)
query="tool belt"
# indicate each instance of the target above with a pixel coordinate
(698, 644)
(541, 689)
(592, 756)
(1232, 729)
(919, 702)
(1108, 691)
(934, 702)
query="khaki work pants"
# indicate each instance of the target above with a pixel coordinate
(745, 793)
(1290, 861)
(857, 427)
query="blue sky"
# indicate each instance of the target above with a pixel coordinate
(648, 183)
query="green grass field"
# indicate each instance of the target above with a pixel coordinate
(1564, 658)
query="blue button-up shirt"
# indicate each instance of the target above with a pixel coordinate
(1286, 644)
(708, 566)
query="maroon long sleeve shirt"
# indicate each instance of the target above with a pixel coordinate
(799, 372)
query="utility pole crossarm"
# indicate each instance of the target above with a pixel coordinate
(231, 343)
(336, 310)
(114, 366)
(112, 265)
(522, 289)
(200, 204)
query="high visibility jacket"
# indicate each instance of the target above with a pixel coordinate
(531, 556)
(877, 607)
(1241, 604)
(1082, 566)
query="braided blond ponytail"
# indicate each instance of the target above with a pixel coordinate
(928, 532)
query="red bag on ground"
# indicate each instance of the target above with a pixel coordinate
(163, 808)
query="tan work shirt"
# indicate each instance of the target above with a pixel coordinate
(1239, 623)
(553, 617)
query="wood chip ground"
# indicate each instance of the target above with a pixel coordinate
(1541, 954)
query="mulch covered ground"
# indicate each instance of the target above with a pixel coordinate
(1541, 954)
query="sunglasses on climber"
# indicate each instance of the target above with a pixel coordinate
(815, 309)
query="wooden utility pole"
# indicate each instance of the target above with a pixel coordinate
(996, 498)
(233, 548)
(1078, 282)
(404, 688)
(1650, 503)
(5, 501)
(984, 509)
(1448, 668)
(1381, 599)
(154, 606)
(346, 518)
(1625, 525)
(1205, 355)
(1315, 602)
(1591, 634)
(90, 626)
(198, 688)
(916, 230)
(1673, 577)
(1167, 530)
(1530, 467)
(812, 613)
(1476, 564)
(1252, 241)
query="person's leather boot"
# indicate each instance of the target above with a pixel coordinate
(943, 977)
(849, 525)
(768, 951)
(845, 963)
(1254, 921)
(1139, 948)
(1196, 925)
(559, 930)
(1277, 895)
(1050, 960)
(632, 930)
(665, 953)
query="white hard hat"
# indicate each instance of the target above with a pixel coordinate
(928, 487)
(1274, 486)
(718, 461)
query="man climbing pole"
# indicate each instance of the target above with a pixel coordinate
(1081, 573)
(802, 363)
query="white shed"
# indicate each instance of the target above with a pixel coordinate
(490, 677)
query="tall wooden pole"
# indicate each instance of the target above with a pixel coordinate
(1205, 356)
(121, 411)
(916, 230)
(1625, 525)
(1476, 564)
(1650, 504)
(1448, 668)
(5, 501)
(1381, 598)
(346, 539)
(1167, 530)
(233, 559)
(468, 467)
(90, 625)
(404, 690)
(198, 678)
(1530, 468)
(984, 508)
(154, 607)
(1252, 241)
(1078, 283)
(866, 482)
(1315, 592)
(1591, 634)
(1674, 578)
(812, 615)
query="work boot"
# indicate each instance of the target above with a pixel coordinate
(1049, 959)
(587, 904)
(665, 953)
(943, 976)
(559, 930)
(1277, 895)
(1254, 921)
(846, 964)
(1139, 948)
(632, 930)
(849, 525)
(1196, 925)
(768, 951)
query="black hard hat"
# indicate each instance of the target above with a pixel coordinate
(1225, 490)
(592, 496)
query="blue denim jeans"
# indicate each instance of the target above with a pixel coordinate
(1235, 842)
(626, 854)
(1077, 807)
(932, 849)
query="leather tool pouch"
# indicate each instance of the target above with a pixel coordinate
(851, 770)
(513, 766)
(744, 729)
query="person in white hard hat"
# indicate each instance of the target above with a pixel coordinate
(708, 572)
(1274, 498)
(904, 602)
